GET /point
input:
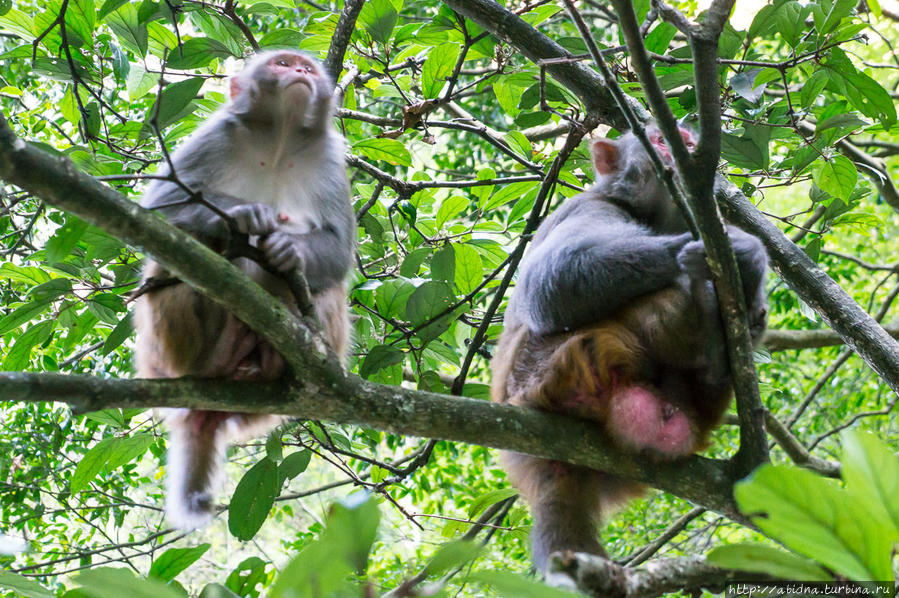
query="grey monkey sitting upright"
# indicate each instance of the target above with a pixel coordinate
(273, 162)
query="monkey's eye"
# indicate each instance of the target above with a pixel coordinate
(282, 62)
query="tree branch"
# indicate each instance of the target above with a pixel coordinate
(399, 410)
(860, 331)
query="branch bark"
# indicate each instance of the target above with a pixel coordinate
(399, 410)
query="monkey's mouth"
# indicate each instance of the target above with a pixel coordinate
(301, 80)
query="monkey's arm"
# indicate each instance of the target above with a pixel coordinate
(590, 261)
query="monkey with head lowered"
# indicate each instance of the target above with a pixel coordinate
(270, 161)
(614, 319)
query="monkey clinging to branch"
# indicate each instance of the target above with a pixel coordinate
(615, 319)
(269, 165)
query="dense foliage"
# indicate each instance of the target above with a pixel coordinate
(452, 133)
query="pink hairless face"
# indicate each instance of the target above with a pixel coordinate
(294, 68)
(658, 141)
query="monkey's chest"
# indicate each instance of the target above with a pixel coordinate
(286, 190)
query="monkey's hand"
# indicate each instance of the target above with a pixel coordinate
(254, 218)
(282, 251)
(691, 259)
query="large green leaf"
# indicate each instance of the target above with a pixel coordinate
(378, 17)
(253, 499)
(175, 560)
(871, 471)
(109, 453)
(816, 518)
(437, 67)
(23, 587)
(836, 176)
(389, 150)
(759, 558)
(105, 582)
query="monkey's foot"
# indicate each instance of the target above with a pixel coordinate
(641, 420)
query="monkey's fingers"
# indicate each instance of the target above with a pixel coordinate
(282, 251)
(254, 218)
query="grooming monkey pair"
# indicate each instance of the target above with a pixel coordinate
(614, 317)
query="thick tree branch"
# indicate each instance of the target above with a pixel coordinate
(860, 331)
(584, 82)
(399, 410)
(784, 340)
(345, 25)
(601, 577)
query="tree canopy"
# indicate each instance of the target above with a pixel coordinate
(467, 122)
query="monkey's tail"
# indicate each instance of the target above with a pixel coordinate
(197, 443)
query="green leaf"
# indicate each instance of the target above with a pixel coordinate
(323, 567)
(65, 238)
(389, 150)
(658, 39)
(838, 11)
(174, 99)
(380, 357)
(19, 23)
(438, 66)
(173, 561)
(815, 518)
(108, 7)
(429, 300)
(837, 176)
(450, 207)
(253, 499)
(197, 52)
(392, 296)
(514, 584)
(27, 274)
(249, 575)
(18, 357)
(20, 315)
(215, 590)
(742, 152)
(452, 555)
(443, 264)
(119, 334)
(109, 453)
(293, 465)
(281, 38)
(50, 290)
(105, 582)
(140, 81)
(22, 587)
(744, 85)
(378, 17)
(790, 23)
(469, 270)
(508, 193)
(871, 471)
(490, 498)
(508, 90)
(130, 32)
(776, 562)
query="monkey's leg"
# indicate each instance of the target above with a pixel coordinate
(197, 442)
(564, 500)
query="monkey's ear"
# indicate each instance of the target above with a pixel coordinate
(605, 156)
(235, 87)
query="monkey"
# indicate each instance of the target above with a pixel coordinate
(614, 319)
(271, 161)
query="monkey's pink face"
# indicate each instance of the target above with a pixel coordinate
(657, 140)
(291, 69)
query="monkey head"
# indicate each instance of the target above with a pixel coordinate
(282, 85)
(625, 175)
